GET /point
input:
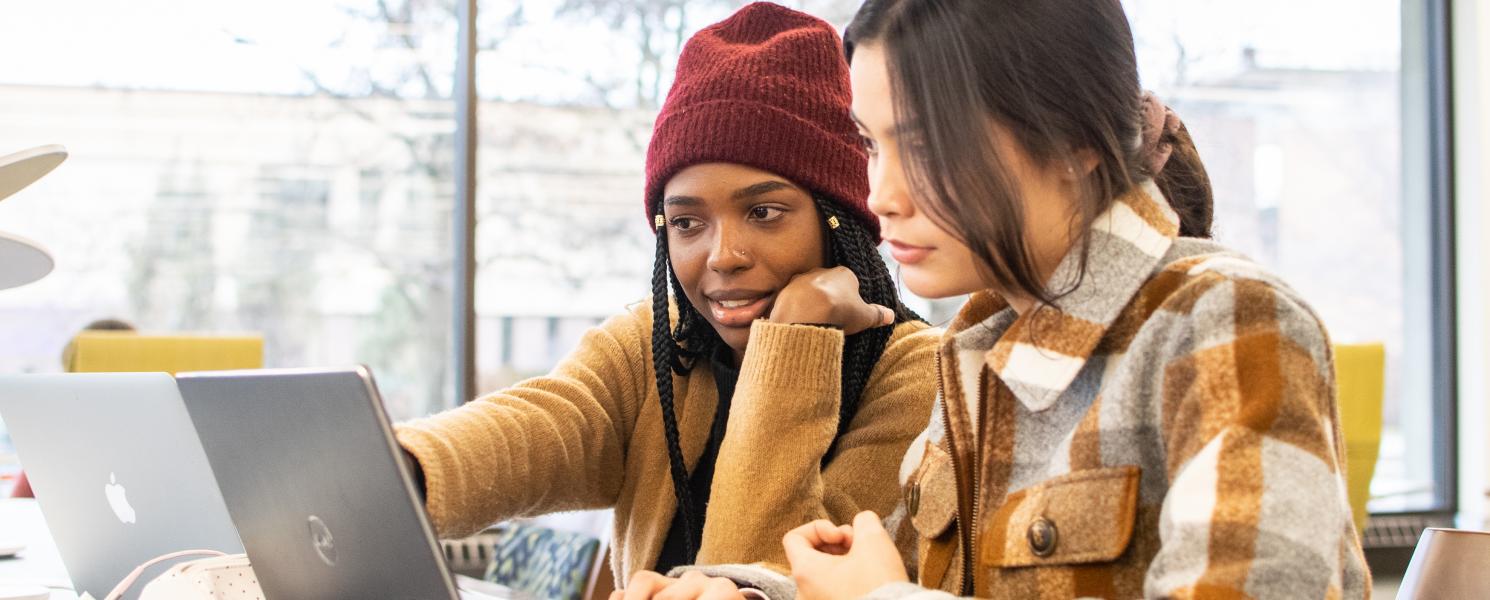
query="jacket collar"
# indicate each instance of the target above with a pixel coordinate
(1040, 353)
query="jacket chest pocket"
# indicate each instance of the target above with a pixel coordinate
(1079, 518)
(931, 502)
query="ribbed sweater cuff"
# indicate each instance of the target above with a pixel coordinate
(768, 582)
(433, 461)
(796, 356)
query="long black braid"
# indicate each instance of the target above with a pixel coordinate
(666, 359)
(675, 351)
(854, 247)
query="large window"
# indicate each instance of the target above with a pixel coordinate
(281, 168)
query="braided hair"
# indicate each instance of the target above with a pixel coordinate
(675, 350)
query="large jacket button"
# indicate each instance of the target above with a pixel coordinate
(913, 498)
(1043, 537)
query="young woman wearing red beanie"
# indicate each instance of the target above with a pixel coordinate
(780, 381)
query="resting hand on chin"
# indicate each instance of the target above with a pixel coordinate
(840, 561)
(828, 297)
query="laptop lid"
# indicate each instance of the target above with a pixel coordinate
(313, 478)
(117, 469)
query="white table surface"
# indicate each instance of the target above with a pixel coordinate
(39, 563)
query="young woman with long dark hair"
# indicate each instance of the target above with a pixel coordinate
(1124, 411)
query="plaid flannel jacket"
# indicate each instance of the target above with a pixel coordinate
(1167, 429)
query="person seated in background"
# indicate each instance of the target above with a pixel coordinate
(23, 487)
(773, 378)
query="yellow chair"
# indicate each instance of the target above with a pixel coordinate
(125, 352)
(1360, 373)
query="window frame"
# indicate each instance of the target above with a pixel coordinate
(1390, 537)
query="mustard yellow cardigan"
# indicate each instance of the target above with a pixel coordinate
(589, 435)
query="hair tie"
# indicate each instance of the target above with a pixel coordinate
(1158, 121)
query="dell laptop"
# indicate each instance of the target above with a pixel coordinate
(316, 483)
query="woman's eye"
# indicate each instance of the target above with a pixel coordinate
(868, 144)
(685, 223)
(765, 213)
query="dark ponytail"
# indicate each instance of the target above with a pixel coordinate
(1184, 182)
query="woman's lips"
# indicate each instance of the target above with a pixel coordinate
(907, 254)
(739, 313)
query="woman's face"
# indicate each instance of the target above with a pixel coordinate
(736, 236)
(934, 263)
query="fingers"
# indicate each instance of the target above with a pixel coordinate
(687, 587)
(644, 585)
(801, 547)
(871, 534)
(833, 539)
(867, 524)
(869, 316)
(814, 541)
(830, 534)
(694, 585)
(818, 533)
(720, 588)
(875, 548)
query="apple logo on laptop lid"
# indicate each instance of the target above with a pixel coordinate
(117, 501)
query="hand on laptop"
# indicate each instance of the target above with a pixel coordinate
(645, 585)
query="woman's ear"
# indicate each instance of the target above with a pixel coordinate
(1080, 166)
(1083, 162)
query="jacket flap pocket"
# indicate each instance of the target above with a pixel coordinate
(1081, 517)
(931, 495)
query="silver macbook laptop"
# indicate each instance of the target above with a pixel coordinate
(117, 469)
(314, 479)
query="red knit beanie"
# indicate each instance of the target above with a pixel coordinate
(766, 88)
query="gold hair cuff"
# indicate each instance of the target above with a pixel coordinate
(832, 222)
(660, 221)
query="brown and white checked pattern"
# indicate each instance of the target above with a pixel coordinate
(1177, 374)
